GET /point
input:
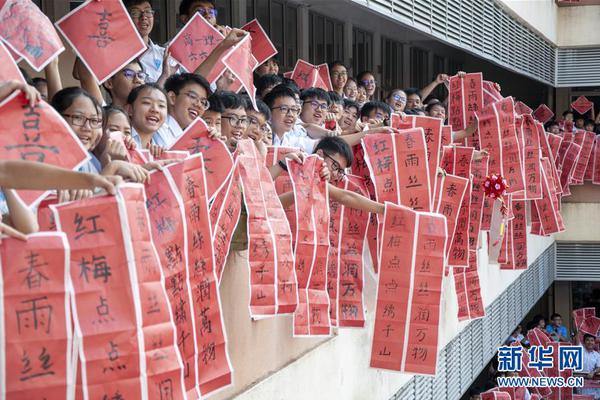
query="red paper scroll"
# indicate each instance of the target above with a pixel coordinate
(8, 67)
(193, 44)
(547, 150)
(494, 394)
(582, 105)
(411, 269)
(543, 113)
(354, 222)
(527, 371)
(307, 75)
(124, 328)
(169, 227)
(446, 135)
(262, 47)
(546, 209)
(312, 247)
(531, 158)
(40, 134)
(559, 393)
(491, 93)
(522, 108)
(449, 201)
(596, 163)
(29, 33)
(497, 135)
(214, 369)
(333, 261)
(584, 156)
(465, 99)
(516, 238)
(35, 318)
(218, 162)
(479, 170)
(568, 167)
(283, 184)
(242, 64)
(468, 290)
(273, 282)
(568, 138)
(103, 36)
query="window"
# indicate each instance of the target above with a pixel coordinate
(224, 9)
(392, 65)
(279, 18)
(362, 51)
(439, 68)
(419, 71)
(326, 39)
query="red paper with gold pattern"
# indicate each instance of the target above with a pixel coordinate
(409, 291)
(465, 98)
(35, 318)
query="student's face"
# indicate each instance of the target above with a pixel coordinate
(589, 343)
(268, 67)
(283, 114)
(542, 324)
(142, 16)
(438, 111)
(579, 122)
(555, 129)
(335, 162)
(124, 81)
(257, 125)
(189, 104)
(413, 101)
(149, 111)
(337, 110)
(118, 122)
(339, 77)
(397, 100)
(361, 95)
(569, 117)
(82, 116)
(314, 111)
(349, 118)
(212, 119)
(368, 81)
(557, 321)
(378, 113)
(205, 8)
(234, 123)
(589, 127)
(350, 90)
(42, 87)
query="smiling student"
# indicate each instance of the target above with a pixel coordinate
(148, 111)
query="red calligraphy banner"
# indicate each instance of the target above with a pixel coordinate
(468, 290)
(214, 371)
(587, 146)
(409, 291)
(119, 300)
(103, 36)
(333, 260)
(555, 142)
(39, 134)
(35, 318)
(546, 209)
(491, 93)
(283, 184)
(527, 371)
(218, 162)
(465, 99)
(193, 44)
(8, 67)
(479, 170)
(307, 75)
(589, 170)
(495, 394)
(262, 47)
(582, 105)
(29, 33)
(543, 113)
(446, 135)
(568, 138)
(242, 64)
(522, 108)
(547, 149)
(312, 247)
(448, 203)
(531, 158)
(568, 167)
(596, 163)
(45, 215)
(559, 393)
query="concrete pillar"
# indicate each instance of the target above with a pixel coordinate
(348, 56)
(303, 32)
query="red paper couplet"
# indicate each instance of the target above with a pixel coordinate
(596, 162)
(547, 149)
(39, 134)
(307, 75)
(214, 371)
(465, 99)
(283, 184)
(8, 67)
(559, 393)
(333, 261)
(312, 247)
(262, 47)
(491, 93)
(531, 158)
(35, 318)
(45, 215)
(468, 290)
(522, 108)
(547, 208)
(568, 167)
(527, 371)
(103, 36)
(543, 113)
(242, 64)
(589, 170)
(584, 155)
(555, 142)
(446, 135)
(411, 269)
(582, 105)
(449, 201)
(218, 162)
(29, 33)
(122, 318)
(568, 138)
(517, 237)
(494, 394)
(479, 170)
(193, 44)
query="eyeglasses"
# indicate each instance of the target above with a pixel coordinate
(288, 110)
(208, 12)
(349, 111)
(138, 14)
(336, 168)
(398, 97)
(80, 120)
(236, 121)
(339, 74)
(198, 100)
(254, 122)
(368, 82)
(130, 74)
(315, 105)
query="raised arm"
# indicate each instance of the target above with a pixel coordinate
(232, 38)
(87, 80)
(426, 91)
(355, 200)
(19, 216)
(53, 78)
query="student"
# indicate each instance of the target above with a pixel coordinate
(349, 117)
(116, 120)
(339, 76)
(41, 86)
(591, 365)
(315, 105)
(361, 94)
(553, 127)
(367, 79)
(414, 100)
(206, 8)
(436, 109)
(212, 116)
(266, 83)
(234, 120)
(258, 124)
(147, 106)
(187, 96)
(579, 121)
(30, 93)
(269, 67)
(376, 113)
(336, 108)
(439, 79)
(123, 82)
(556, 329)
(351, 89)
(589, 125)
(568, 115)
(397, 100)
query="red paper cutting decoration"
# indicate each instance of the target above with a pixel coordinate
(262, 47)
(582, 105)
(543, 113)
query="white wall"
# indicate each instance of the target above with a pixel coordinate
(578, 26)
(540, 15)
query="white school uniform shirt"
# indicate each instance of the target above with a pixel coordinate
(591, 360)
(170, 132)
(157, 139)
(298, 138)
(152, 61)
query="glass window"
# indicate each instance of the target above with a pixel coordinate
(362, 54)
(392, 66)
(291, 36)
(224, 7)
(439, 68)
(326, 38)
(419, 74)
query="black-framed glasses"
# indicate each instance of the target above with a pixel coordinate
(367, 82)
(80, 120)
(288, 110)
(235, 120)
(208, 12)
(130, 74)
(315, 105)
(336, 168)
(339, 74)
(398, 97)
(264, 128)
(198, 100)
(146, 13)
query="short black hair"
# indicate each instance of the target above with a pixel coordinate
(231, 100)
(374, 105)
(135, 92)
(336, 145)
(565, 113)
(555, 315)
(261, 108)
(335, 98)
(111, 109)
(434, 103)
(64, 98)
(315, 93)
(292, 85)
(278, 91)
(215, 104)
(184, 7)
(587, 335)
(351, 104)
(266, 81)
(176, 82)
(551, 124)
(360, 76)
(335, 64)
(411, 91)
(131, 3)
(589, 121)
